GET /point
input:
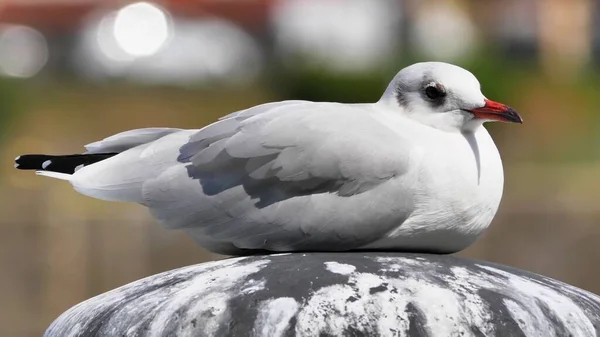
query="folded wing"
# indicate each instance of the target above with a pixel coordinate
(257, 176)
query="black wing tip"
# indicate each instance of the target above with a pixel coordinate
(59, 163)
(29, 161)
(33, 161)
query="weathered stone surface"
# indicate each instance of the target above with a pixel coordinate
(338, 294)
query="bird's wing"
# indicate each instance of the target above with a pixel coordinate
(303, 148)
(143, 155)
(128, 139)
(254, 162)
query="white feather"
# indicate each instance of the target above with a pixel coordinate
(55, 175)
(120, 178)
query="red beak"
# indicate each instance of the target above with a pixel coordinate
(494, 111)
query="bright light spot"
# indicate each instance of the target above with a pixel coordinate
(342, 35)
(204, 50)
(141, 29)
(107, 40)
(23, 51)
(436, 30)
(198, 50)
(97, 54)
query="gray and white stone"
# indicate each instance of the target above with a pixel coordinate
(338, 294)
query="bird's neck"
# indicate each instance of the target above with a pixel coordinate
(473, 125)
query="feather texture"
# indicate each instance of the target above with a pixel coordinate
(407, 172)
(255, 176)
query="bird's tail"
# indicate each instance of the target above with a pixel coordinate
(55, 175)
(104, 176)
(60, 167)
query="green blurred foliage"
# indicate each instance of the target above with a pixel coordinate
(317, 84)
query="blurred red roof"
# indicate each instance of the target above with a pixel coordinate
(66, 15)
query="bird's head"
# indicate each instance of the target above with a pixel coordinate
(444, 96)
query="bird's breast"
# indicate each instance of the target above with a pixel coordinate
(459, 182)
(464, 179)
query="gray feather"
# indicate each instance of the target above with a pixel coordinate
(128, 139)
(250, 180)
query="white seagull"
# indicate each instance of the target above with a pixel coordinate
(415, 171)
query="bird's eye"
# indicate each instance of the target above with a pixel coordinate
(435, 91)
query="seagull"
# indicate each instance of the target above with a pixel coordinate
(416, 171)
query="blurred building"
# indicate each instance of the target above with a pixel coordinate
(147, 41)
(349, 36)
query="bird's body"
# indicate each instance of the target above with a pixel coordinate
(299, 176)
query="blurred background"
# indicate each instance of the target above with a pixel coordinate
(75, 71)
